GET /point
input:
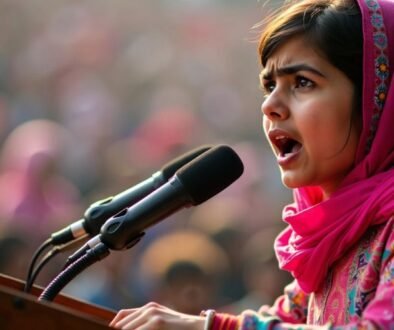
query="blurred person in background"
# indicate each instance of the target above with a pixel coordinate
(262, 278)
(223, 219)
(183, 269)
(35, 198)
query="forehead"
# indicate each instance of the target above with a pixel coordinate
(296, 50)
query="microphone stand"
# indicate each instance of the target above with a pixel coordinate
(93, 255)
(78, 265)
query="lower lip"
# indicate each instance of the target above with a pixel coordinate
(286, 160)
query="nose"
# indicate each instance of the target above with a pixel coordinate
(275, 107)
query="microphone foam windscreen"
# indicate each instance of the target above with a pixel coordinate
(210, 173)
(169, 169)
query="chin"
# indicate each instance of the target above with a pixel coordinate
(291, 182)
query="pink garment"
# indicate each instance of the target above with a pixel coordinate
(359, 287)
(320, 232)
(357, 293)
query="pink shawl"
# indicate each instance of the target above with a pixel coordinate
(319, 232)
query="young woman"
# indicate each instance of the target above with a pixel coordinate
(328, 114)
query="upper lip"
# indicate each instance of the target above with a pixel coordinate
(278, 137)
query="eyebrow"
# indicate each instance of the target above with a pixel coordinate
(288, 70)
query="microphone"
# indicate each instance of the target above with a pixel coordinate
(98, 212)
(193, 184)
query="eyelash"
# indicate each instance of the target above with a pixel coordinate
(268, 86)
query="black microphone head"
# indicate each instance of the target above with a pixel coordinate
(210, 173)
(169, 169)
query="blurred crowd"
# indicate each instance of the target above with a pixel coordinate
(95, 96)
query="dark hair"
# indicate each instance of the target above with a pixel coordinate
(333, 28)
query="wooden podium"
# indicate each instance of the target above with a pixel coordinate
(20, 310)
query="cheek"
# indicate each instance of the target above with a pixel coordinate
(325, 134)
(324, 119)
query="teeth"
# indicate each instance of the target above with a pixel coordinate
(285, 144)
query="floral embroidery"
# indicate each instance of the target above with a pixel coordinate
(363, 270)
(364, 299)
(377, 21)
(352, 301)
(380, 40)
(363, 260)
(253, 322)
(382, 70)
(381, 66)
(365, 274)
(297, 304)
(372, 4)
(322, 298)
(388, 274)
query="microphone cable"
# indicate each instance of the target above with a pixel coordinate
(45, 245)
(55, 250)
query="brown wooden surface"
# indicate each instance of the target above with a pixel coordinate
(20, 310)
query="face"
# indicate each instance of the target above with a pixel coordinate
(307, 117)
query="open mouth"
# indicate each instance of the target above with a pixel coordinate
(286, 145)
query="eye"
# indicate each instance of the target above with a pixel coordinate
(267, 86)
(303, 83)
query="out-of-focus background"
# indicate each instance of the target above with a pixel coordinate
(97, 95)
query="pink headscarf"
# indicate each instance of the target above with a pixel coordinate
(319, 232)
